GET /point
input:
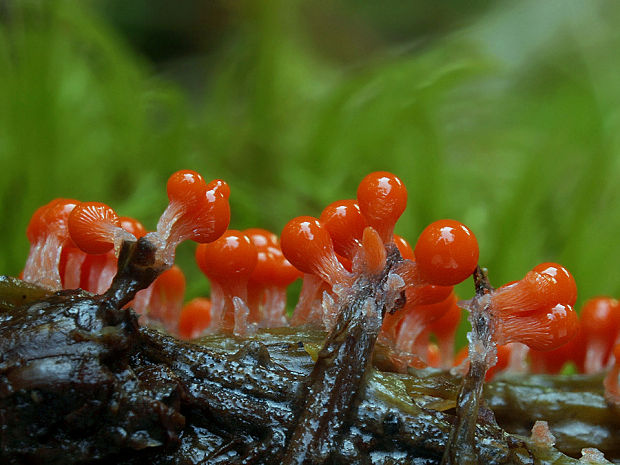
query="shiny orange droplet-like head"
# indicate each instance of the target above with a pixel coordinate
(382, 199)
(231, 256)
(446, 253)
(92, 226)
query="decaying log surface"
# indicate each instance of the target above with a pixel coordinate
(82, 382)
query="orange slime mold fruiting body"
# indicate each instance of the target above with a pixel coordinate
(196, 211)
(48, 235)
(228, 262)
(600, 327)
(345, 224)
(306, 243)
(195, 318)
(382, 198)
(96, 228)
(446, 253)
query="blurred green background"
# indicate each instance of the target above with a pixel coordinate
(504, 115)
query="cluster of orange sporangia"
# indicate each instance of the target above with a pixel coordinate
(76, 245)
